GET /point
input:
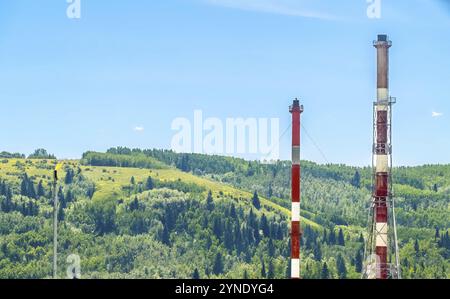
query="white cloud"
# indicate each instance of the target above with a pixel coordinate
(437, 114)
(138, 129)
(296, 8)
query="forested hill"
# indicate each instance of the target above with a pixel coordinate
(338, 195)
(157, 214)
(423, 193)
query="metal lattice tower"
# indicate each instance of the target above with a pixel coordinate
(381, 256)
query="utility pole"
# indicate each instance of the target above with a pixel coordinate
(55, 221)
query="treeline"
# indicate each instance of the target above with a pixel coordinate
(154, 183)
(443, 241)
(5, 190)
(202, 164)
(116, 160)
(23, 205)
(27, 188)
(41, 154)
(427, 177)
(28, 196)
(185, 162)
(7, 155)
(37, 154)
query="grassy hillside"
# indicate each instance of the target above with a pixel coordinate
(109, 182)
(338, 197)
(90, 222)
(158, 220)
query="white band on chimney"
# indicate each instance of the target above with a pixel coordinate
(382, 94)
(382, 235)
(296, 155)
(382, 163)
(295, 211)
(295, 268)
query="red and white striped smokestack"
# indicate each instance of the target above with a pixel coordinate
(382, 152)
(296, 110)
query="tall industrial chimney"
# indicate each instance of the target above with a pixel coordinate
(296, 109)
(382, 235)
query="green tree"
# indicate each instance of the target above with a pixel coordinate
(361, 239)
(356, 181)
(41, 154)
(218, 264)
(265, 226)
(40, 189)
(209, 201)
(149, 184)
(417, 247)
(437, 234)
(341, 239)
(332, 237)
(166, 235)
(228, 236)
(70, 174)
(325, 273)
(341, 268)
(196, 274)
(102, 213)
(27, 187)
(263, 269)
(271, 270)
(271, 248)
(134, 205)
(183, 163)
(218, 227)
(318, 252)
(270, 191)
(256, 202)
(358, 262)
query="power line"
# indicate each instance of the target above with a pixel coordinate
(309, 137)
(315, 144)
(279, 139)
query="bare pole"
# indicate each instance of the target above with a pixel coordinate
(55, 222)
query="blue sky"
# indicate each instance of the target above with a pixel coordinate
(75, 85)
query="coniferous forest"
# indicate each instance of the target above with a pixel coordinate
(131, 213)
